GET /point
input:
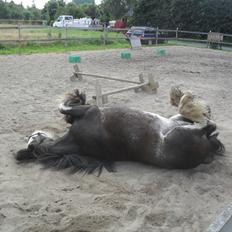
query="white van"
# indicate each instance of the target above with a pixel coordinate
(69, 21)
(63, 21)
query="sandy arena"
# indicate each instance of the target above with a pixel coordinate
(136, 198)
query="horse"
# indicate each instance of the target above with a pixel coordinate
(97, 137)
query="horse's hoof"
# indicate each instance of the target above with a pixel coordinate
(36, 137)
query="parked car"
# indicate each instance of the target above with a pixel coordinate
(147, 35)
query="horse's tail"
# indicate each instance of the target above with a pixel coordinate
(74, 99)
(73, 162)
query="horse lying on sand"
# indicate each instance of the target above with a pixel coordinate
(99, 136)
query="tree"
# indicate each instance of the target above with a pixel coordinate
(217, 15)
(4, 10)
(186, 14)
(16, 11)
(199, 15)
(152, 13)
(78, 2)
(74, 10)
(33, 12)
(116, 9)
(53, 9)
(90, 10)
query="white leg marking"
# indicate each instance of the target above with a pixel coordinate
(36, 133)
(62, 107)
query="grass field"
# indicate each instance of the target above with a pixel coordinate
(55, 33)
(53, 40)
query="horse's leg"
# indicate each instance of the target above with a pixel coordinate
(88, 118)
(180, 118)
(61, 146)
(192, 129)
(74, 111)
(90, 134)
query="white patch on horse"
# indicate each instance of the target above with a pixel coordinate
(62, 107)
(164, 122)
(162, 119)
(36, 133)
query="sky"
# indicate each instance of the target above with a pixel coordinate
(40, 3)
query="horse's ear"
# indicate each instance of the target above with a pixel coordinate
(24, 155)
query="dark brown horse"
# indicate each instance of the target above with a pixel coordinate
(99, 136)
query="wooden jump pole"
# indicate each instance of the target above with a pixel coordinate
(100, 99)
(150, 86)
(79, 75)
(125, 89)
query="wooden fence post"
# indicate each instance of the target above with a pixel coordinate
(19, 38)
(66, 36)
(157, 35)
(105, 34)
(208, 43)
(177, 33)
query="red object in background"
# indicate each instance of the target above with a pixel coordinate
(120, 24)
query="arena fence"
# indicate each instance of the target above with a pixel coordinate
(22, 34)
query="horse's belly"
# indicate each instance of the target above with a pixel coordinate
(131, 135)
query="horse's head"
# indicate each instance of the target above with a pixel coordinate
(189, 146)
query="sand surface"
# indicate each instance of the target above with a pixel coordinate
(137, 197)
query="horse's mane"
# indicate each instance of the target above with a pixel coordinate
(74, 163)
